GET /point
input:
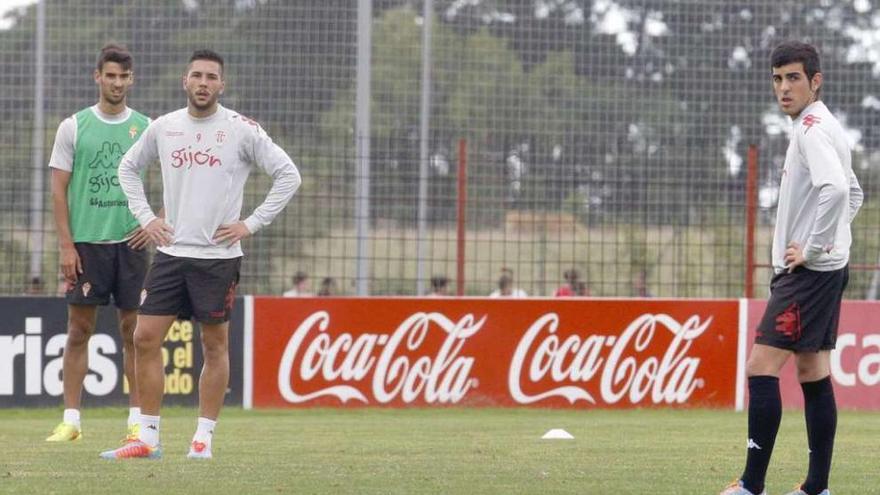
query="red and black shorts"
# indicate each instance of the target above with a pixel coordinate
(201, 289)
(803, 310)
(109, 270)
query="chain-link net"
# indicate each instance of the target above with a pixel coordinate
(609, 137)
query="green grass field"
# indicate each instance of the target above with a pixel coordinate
(428, 451)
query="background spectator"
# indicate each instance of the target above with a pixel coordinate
(439, 286)
(328, 287)
(640, 284)
(573, 285)
(506, 286)
(35, 287)
(300, 285)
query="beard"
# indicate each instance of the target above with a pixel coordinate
(113, 99)
(195, 102)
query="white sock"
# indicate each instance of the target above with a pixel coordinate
(205, 431)
(150, 430)
(71, 416)
(134, 416)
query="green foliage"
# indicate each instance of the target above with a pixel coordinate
(15, 260)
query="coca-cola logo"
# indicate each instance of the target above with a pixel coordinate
(621, 363)
(862, 366)
(387, 362)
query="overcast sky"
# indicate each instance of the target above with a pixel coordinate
(6, 6)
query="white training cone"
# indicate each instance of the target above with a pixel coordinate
(557, 434)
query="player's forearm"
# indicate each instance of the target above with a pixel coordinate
(856, 196)
(60, 210)
(133, 187)
(62, 222)
(285, 184)
(832, 199)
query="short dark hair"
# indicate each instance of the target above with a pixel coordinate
(300, 276)
(439, 282)
(114, 53)
(791, 51)
(328, 287)
(207, 54)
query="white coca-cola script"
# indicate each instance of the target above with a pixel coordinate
(626, 371)
(384, 359)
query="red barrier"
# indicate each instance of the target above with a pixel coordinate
(544, 353)
(855, 363)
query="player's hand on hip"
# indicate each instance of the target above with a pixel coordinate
(794, 256)
(159, 232)
(231, 233)
(71, 265)
(139, 240)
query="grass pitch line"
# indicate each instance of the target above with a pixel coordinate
(557, 434)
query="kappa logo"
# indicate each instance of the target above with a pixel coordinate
(108, 156)
(809, 121)
(132, 131)
(751, 444)
(86, 288)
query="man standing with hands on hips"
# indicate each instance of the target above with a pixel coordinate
(818, 199)
(206, 152)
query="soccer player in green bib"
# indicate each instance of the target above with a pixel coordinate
(102, 247)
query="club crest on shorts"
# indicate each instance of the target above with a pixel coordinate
(788, 322)
(143, 295)
(86, 288)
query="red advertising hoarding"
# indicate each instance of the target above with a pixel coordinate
(398, 352)
(855, 363)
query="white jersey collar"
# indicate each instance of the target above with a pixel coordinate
(111, 119)
(220, 110)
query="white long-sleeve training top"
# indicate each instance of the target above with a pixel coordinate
(819, 195)
(205, 164)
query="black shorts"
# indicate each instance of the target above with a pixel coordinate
(803, 311)
(203, 289)
(109, 269)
